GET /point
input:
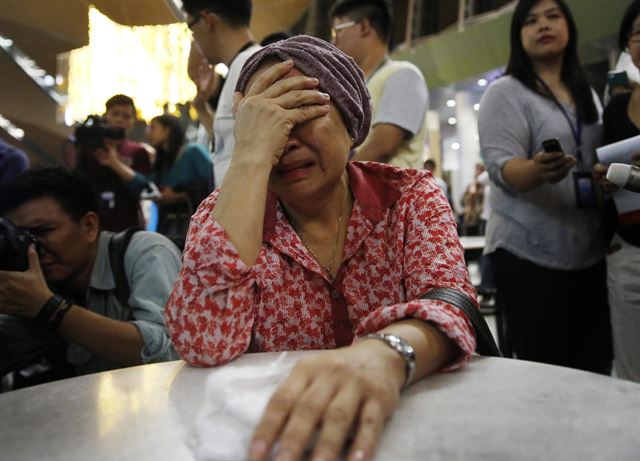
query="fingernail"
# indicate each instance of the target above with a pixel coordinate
(358, 455)
(289, 61)
(258, 448)
(325, 95)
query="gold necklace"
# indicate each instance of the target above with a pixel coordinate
(328, 269)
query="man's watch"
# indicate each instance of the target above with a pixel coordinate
(403, 348)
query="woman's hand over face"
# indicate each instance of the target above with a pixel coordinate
(270, 109)
(340, 393)
(553, 167)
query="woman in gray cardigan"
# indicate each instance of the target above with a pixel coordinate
(544, 233)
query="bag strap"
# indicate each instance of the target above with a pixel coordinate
(117, 249)
(486, 345)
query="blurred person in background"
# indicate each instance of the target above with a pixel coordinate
(621, 120)
(546, 240)
(472, 202)
(13, 161)
(182, 172)
(221, 30)
(208, 86)
(362, 30)
(118, 207)
(430, 165)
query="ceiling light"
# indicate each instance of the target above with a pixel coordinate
(482, 82)
(452, 121)
(455, 146)
(14, 131)
(451, 103)
(476, 107)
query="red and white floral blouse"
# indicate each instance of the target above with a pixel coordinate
(401, 242)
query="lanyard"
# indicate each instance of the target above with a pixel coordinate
(576, 131)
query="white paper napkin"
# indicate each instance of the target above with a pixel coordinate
(235, 399)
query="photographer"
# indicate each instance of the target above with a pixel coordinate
(118, 207)
(72, 288)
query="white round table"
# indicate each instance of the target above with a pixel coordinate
(493, 409)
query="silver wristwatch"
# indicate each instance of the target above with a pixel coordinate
(403, 348)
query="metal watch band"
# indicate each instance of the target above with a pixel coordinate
(403, 348)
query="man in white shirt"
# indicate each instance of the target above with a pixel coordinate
(221, 30)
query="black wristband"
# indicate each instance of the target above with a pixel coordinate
(59, 315)
(48, 308)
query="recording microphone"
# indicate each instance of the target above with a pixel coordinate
(625, 176)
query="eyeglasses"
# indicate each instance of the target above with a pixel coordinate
(338, 27)
(194, 21)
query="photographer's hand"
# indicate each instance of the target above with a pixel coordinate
(24, 293)
(108, 156)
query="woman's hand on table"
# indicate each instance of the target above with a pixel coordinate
(270, 109)
(344, 393)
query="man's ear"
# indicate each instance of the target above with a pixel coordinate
(90, 224)
(211, 19)
(365, 28)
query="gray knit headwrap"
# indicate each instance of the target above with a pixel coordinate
(338, 74)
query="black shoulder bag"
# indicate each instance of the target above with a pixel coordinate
(485, 344)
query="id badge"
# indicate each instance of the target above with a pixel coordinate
(584, 187)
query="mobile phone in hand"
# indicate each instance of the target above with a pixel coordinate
(551, 145)
(618, 79)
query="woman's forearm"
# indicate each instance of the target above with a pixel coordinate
(241, 205)
(521, 174)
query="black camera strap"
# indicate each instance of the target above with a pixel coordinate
(117, 248)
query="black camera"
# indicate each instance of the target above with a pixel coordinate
(14, 243)
(93, 133)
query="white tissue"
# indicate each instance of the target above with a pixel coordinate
(234, 400)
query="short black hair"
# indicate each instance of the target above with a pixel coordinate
(275, 37)
(120, 100)
(633, 10)
(377, 12)
(72, 191)
(236, 13)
